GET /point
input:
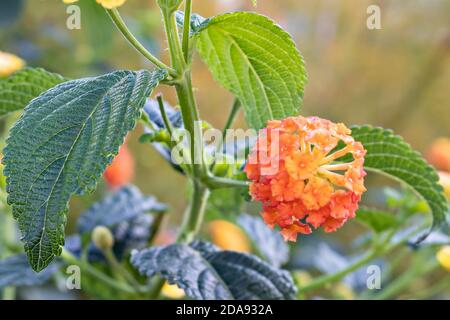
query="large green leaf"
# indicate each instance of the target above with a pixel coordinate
(205, 272)
(61, 145)
(257, 61)
(389, 154)
(20, 88)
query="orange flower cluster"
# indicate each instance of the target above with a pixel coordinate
(296, 174)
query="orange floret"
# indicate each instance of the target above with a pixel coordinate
(297, 173)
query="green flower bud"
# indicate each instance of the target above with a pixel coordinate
(169, 6)
(102, 238)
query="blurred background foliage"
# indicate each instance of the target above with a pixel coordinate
(397, 77)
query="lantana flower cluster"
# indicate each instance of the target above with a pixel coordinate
(297, 173)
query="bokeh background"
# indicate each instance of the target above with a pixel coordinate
(397, 77)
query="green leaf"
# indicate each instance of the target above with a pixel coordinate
(389, 154)
(377, 220)
(61, 145)
(122, 205)
(15, 271)
(257, 61)
(268, 243)
(17, 90)
(205, 272)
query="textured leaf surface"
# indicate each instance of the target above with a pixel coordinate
(389, 154)
(269, 243)
(20, 88)
(257, 61)
(124, 204)
(61, 145)
(205, 272)
(16, 271)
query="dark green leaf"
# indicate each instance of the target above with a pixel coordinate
(16, 271)
(389, 154)
(61, 145)
(123, 205)
(268, 243)
(257, 61)
(20, 88)
(205, 272)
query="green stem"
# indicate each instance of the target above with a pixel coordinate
(194, 215)
(233, 112)
(376, 251)
(164, 114)
(187, 29)
(156, 226)
(329, 278)
(214, 182)
(176, 53)
(85, 266)
(146, 120)
(121, 271)
(120, 24)
(404, 280)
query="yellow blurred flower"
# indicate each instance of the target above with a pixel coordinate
(69, 1)
(228, 236)
(343, 291)
(110, 4)
(9, 63)
(444, 180)
(443, 256)
(172, 291)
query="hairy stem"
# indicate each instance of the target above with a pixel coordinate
(120, 24)
(187, 28)
(193, 217)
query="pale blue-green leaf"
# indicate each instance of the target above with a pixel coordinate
(122, 205)
(205, 272)
(16, 271)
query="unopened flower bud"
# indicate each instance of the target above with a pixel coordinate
(102, 238)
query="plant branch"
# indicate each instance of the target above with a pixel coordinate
(214, 182)
(85, 266)
(375, 251)
(187, 28)
(164, 114)
(193, 217)
(233, 112)
(120, 24)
